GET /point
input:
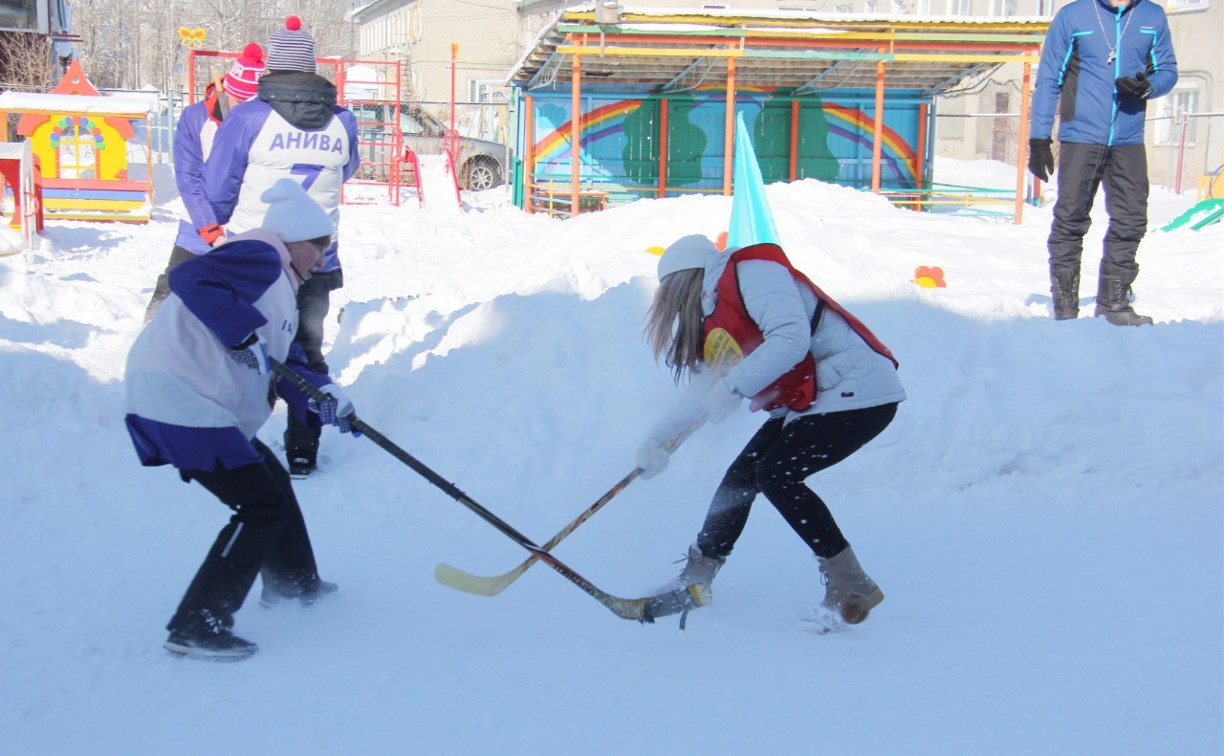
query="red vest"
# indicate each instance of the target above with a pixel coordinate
(731, 333)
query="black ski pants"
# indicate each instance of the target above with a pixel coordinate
(776, 462)
(1082, 169)
(161, 290)
(314, 302)
(267, 534)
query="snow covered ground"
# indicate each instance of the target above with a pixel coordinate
(1044, 516)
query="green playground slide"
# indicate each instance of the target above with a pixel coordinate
(1204, 213)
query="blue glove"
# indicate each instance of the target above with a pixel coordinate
(335, 410)
(252, 353)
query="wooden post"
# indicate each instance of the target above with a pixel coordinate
(729, 138)
(529, 150)
(1022, 139)
(575, 132)
(877, 132)
(794, 141)
(663, 147)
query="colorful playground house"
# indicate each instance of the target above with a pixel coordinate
(80, 140)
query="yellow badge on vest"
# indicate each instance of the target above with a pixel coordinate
(722, 352)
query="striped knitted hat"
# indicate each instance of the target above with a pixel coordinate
(242, 79)
(291, 48)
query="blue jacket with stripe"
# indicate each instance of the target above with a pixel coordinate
(1077, 71)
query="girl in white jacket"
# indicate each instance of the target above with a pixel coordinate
(747, 324)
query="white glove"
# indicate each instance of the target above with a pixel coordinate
(652, 458)
(721, 402)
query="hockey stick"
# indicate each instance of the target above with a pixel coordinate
(642, 609)
(452, 577)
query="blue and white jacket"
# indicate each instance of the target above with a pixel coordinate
(293, 130)
(193, 138)
(1090, 43)
(189, 403)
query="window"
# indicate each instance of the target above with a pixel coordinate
(1004, 8)
(924, 7)
(486, 90)
(1181, 102)
(1185, 5)
(21, 15)
(873, 6)
(960, 7)
(845, 9)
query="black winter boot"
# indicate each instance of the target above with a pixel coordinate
(301, 448)
(1113, 302)
(1064, 286)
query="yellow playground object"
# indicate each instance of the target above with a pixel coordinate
(81, 140)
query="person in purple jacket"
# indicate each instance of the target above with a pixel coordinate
(193, 139)
(293, 129)
(1101, 62)
(199, 387)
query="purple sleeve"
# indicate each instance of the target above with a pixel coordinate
(227, 163)
(189, 166)
(350, 127)
(221, 287)
(296, 400)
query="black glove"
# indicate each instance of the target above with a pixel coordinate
(1041, 158)
(1138, 87)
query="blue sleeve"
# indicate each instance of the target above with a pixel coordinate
(227, 163)
(350, 127)
(296, 361)
(1055, 54)
(189, 166)
(1162, 63)
(221, 287)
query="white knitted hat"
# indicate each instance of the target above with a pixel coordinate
(293, 215)
(684, 253)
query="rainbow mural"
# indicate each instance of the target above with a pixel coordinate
(846, 123)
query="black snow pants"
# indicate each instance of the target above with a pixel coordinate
(776, 462)
(267, 534)
(1082, 168)
(314, 302)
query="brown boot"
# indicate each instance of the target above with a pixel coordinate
(848, 590)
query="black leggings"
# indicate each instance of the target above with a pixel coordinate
(267, 534)
(776, 462)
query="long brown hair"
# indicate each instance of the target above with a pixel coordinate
(673, 324)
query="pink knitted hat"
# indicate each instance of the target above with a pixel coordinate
(242, 80)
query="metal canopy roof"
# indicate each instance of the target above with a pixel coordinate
(670, 50)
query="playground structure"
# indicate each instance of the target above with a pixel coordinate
(79, 140)
(21, 189)
(372, 91)
(642, 103)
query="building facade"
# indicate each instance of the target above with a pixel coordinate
(978, 120)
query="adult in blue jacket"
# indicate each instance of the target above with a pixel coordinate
(1101, 62)
(198, 389)
(193, 140)
(294, 129)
